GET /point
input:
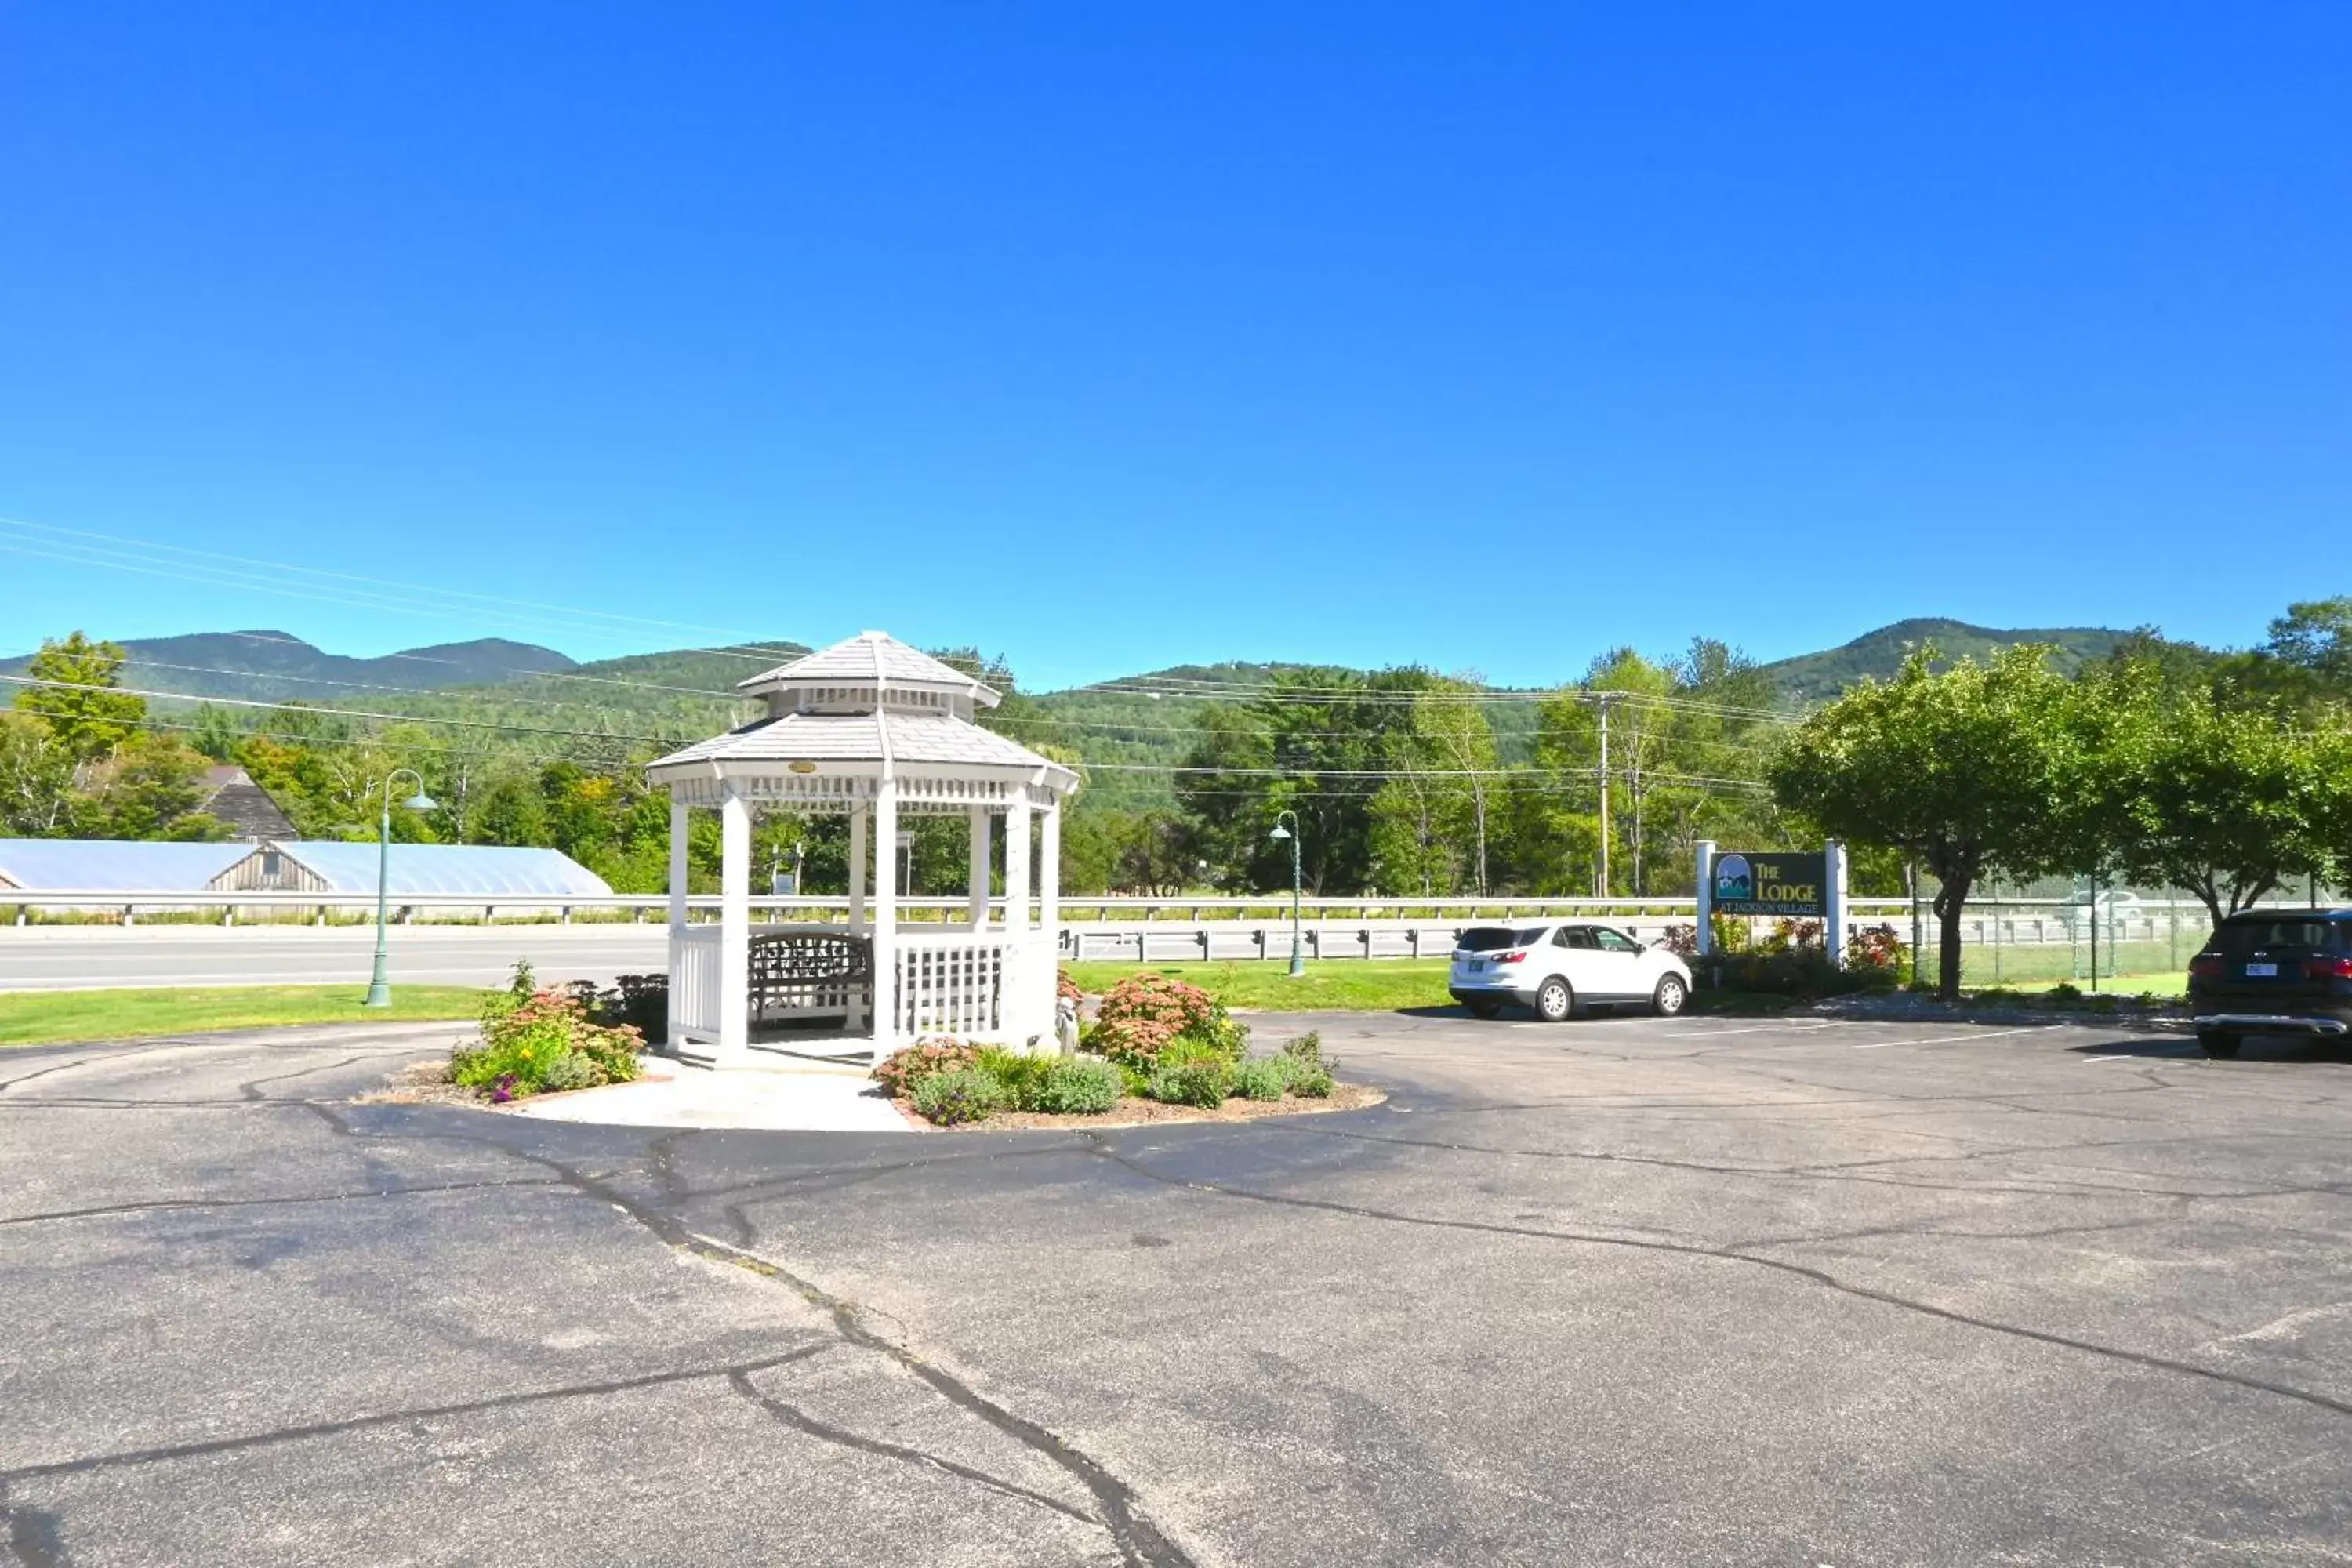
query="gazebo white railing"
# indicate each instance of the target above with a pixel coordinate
(874, 729)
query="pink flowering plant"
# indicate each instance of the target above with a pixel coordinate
(903, 1071)
(537, 1041)
(1148, 1018)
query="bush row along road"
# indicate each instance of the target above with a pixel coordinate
(1665, 1292)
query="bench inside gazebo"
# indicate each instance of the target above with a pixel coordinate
(875, 729)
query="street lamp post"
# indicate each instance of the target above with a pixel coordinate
(1298, 961)
(379, 991)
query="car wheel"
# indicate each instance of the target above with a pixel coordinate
(1671, 996)
(1554, 1000)
(1484, 1007)
(2217, 1044)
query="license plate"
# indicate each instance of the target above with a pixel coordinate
(2261, 971)
(1476, 964)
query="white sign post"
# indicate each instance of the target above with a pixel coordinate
(1833, 933)
(1705, 897)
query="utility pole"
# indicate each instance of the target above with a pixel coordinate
(1601, 891)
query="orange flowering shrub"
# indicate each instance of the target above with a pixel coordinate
(1147, 1017)
(902, 1071)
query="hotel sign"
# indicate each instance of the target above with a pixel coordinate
(1765, 883)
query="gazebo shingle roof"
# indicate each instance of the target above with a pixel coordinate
(920, 738)
(856, 660)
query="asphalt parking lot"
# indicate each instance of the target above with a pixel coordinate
(1618, 1291)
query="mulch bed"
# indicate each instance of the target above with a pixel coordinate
(1134, 1112)
(423, 1083)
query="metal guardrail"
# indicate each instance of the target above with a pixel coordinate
(126, 905)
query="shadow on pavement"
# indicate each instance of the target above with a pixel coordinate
(2255, 1048)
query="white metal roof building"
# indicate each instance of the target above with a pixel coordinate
(488, 870)
(309, 866)
(113, 866)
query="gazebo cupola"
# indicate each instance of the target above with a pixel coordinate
(873, 728)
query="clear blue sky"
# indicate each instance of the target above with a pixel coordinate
(1111, 336)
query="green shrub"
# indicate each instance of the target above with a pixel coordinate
(966, 1094)
(535, 1040)
(1306, 1056)
(570, 1070)
(1262, 1078)
(1079, 1086)
(1145, 1015)
(1020, 1080)
(1202, 1083)
(2064, 993)
(1802, 971)
(902, 1070)
(1314, 1082)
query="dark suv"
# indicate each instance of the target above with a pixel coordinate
(2272, 972)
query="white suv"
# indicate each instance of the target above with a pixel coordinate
(1563, 968)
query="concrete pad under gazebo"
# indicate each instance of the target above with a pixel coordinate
(875, 729)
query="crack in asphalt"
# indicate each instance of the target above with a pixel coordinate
(1928, 1230)
(2057, 1189)
(165, 1452)
(1780, 1266)
(167, 1204)
(7, 1084)
(251, 1090)
(801, 1421)
(1141, 1544)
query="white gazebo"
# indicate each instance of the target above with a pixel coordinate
(873, 728)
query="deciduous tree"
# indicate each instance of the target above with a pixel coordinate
(79, 700)
(1971, 770)
(2229, 800)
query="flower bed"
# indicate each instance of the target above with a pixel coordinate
(1157, 1047)
(538, 1041)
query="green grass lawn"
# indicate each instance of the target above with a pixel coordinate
(59, 1017)
(2175, 983)
(1339, 986)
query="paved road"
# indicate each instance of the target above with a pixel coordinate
(66, 958)
(1641, 1291)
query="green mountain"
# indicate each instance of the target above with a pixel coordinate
(273, 667)
(1816, 677)
(672, 698)
(547, 704)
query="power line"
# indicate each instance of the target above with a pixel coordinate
(337, 712)
(376, 592)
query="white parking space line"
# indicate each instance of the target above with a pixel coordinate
(1760, 1029)
(1944, 1040)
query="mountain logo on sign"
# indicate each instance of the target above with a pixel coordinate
(1733, 880)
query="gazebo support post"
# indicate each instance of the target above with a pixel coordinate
(857, 999)
(734, 924)
(681, 819)
(857, 870)
(1017, 1023)
(980, 868)
(1049, 902)
(885, 915)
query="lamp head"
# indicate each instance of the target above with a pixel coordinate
(1279, 832)
(420, 801)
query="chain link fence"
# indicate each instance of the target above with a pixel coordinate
(2091, 933)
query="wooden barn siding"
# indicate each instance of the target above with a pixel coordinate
(246, 876)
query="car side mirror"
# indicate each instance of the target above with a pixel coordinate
(1640, 947)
